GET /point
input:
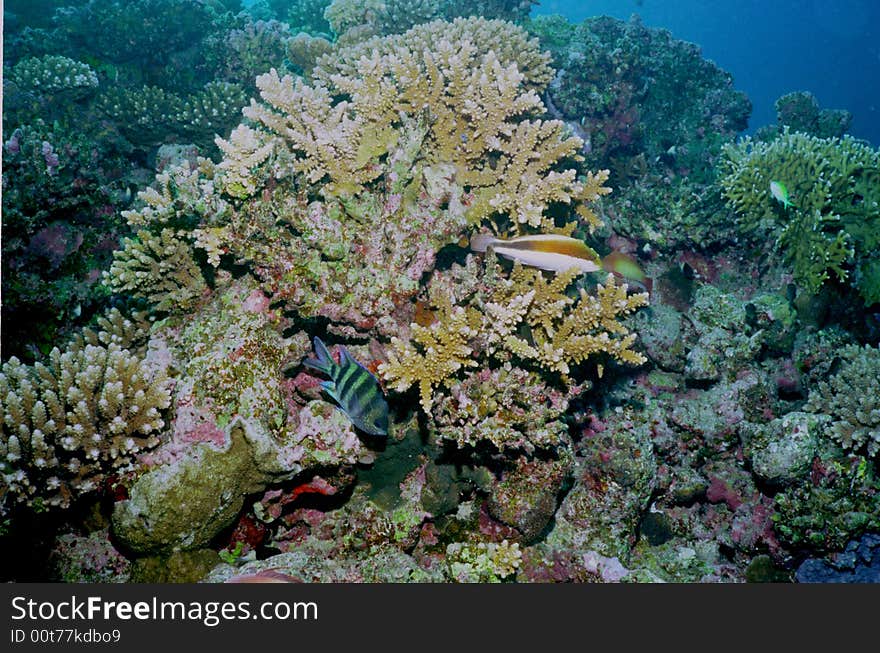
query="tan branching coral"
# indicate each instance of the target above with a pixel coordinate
(509, 43)
(433, 355)
(528, 316)
(563, 330)
(158, 267)
(312, 135)
(381, 165)
(80, 415)
(159, 263)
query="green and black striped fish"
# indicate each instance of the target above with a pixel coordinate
(352, 387)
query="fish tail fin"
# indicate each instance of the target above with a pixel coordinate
(324, 362)
(624, 265)
(481, 241)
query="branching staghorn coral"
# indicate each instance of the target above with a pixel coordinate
(565, 331)
(158, 264)
(434, 353)
(833, 224)
(852, 398)
(80, 415)
(484, 318)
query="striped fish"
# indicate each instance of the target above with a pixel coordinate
(544, 251)
(355, 390)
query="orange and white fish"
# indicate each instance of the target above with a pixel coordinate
(545, 251)
(558, 253)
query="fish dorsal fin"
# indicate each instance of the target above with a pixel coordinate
(346, 357)
(324, 362)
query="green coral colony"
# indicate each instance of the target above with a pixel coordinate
(318, 177)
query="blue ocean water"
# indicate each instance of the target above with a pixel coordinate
(772, 47)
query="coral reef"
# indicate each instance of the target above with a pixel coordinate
(655, 113)
(543, 426)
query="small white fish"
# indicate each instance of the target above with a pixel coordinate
(544, 251)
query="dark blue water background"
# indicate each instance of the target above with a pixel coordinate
(772, 47)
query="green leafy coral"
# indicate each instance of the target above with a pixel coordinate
(832, 228)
